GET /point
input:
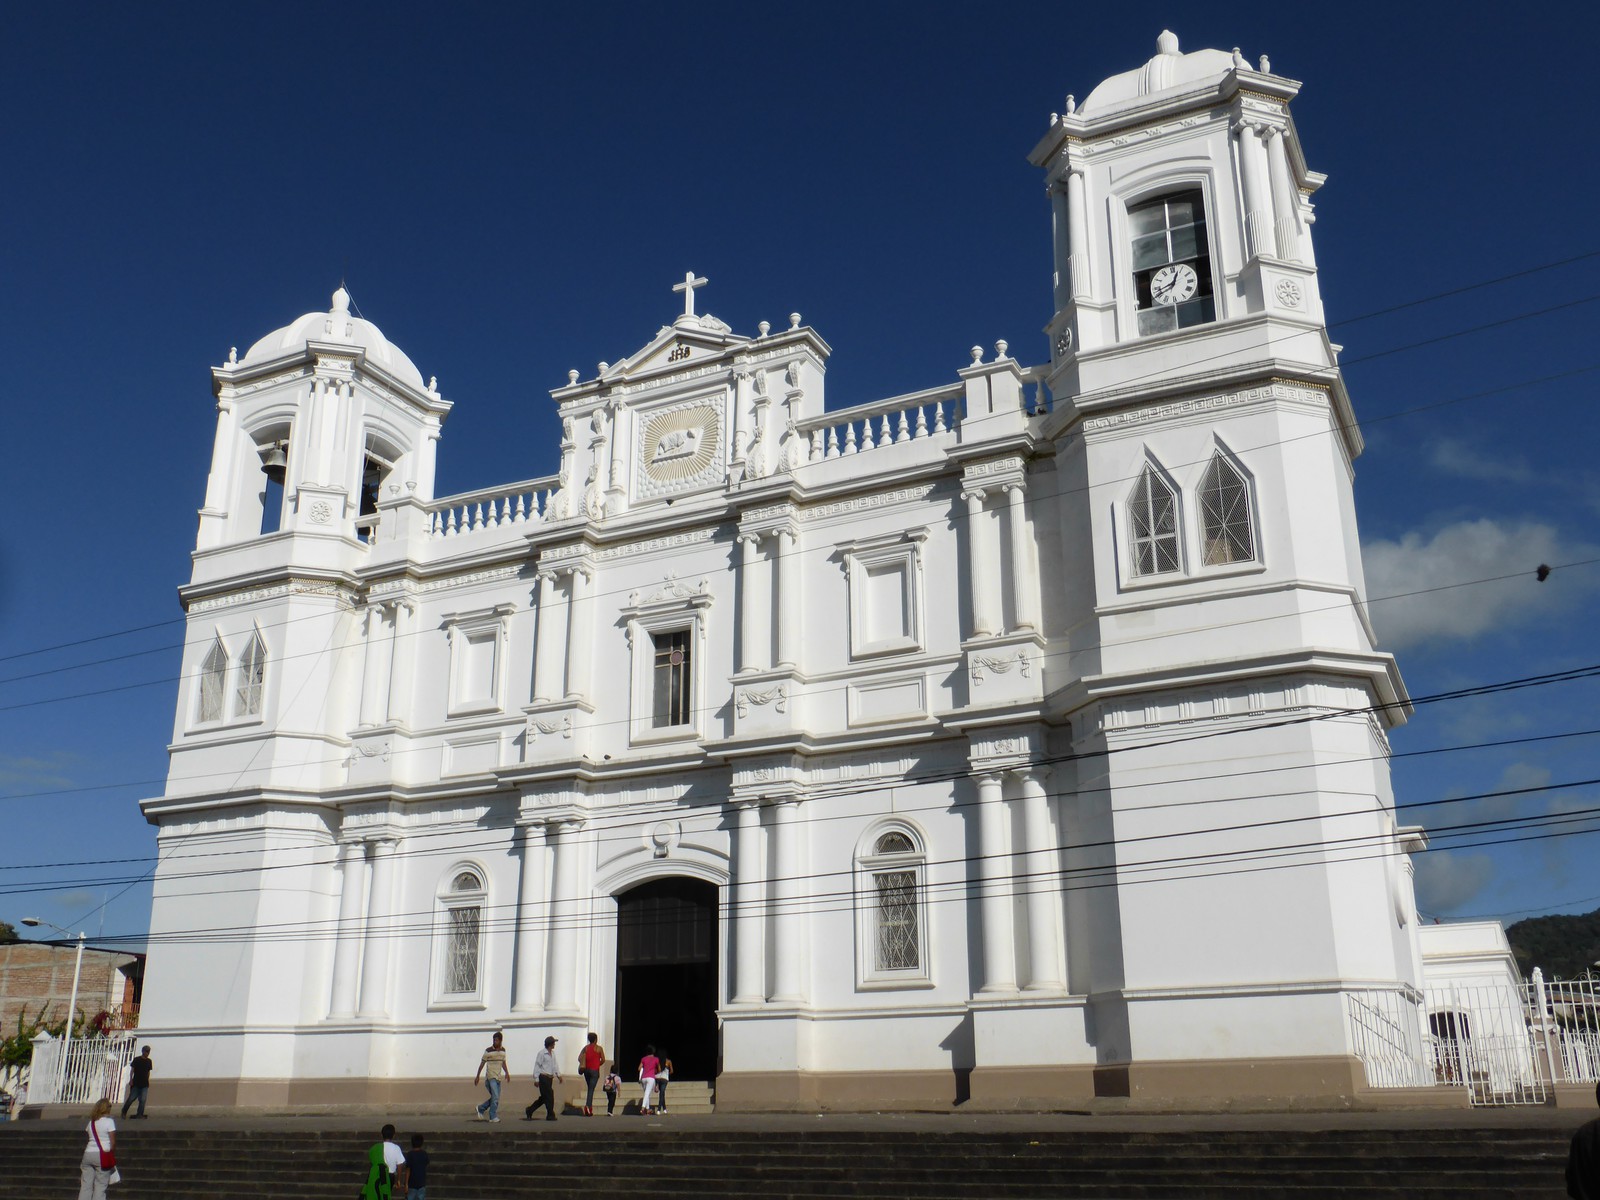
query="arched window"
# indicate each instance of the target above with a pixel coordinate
(892, 911)
(1171, 263)
(213, 682)
(1153, 524)
(1226, 535)
(458, 950)
(252, 677)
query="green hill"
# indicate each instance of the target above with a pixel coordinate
(1563, 945)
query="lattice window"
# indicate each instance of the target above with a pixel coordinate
(461, 971)
(1153, 521)
(1225, 531)
(252, 677)
(892, 912)
(213, 682)
(672, 680)
(898, 945)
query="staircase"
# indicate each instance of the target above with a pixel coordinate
(581, 1159)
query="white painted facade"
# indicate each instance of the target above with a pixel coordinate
(1086, 642)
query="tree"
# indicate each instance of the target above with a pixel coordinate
(8, 933)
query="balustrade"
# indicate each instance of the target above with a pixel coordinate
(882, 423)
(492, 508)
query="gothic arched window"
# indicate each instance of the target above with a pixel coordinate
(1226, 535)
(213, 682)
(458, 948)
(1153, 524)
(892, 914)
(252, 678)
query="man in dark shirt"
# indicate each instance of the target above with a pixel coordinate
(1583, 1160)
(416, 1170)
(138, 1083)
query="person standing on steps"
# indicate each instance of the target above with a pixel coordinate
(663, 1074)
(613, 1089)
(493, 1065)
(138, 1082)
(590, 1059)
(648, 1066)
(1583, 1160)
(416, 1170)
(545, 1068)
(101, 1141)
(383, 1160)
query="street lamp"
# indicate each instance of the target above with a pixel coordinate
(72, 1005)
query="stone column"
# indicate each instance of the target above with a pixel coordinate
(547, 667)
(347, 940)
(1043, 886)
(402, 660)
(981, 567)
(1257, 199)
(1024, 579)
(1285, 197)
(749, 965)
(755, 606)
(994, 871)
(580, 620)
(1061, 226)
(221, 502)
(1078, 229)
(561, 989)
(531, 920)
(787, 891)
(791, 611)
(380, 934)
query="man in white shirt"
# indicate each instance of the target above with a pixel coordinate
(544, 1068)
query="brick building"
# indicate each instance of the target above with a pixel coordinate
(34, 975)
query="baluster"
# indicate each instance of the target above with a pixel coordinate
(816, 445)
(518, 511)
(849, 437)
(497, 507)
(433, 525)
(938, 417)
(905, 428)
(866, 434)
(549, 499)
(885, 433)
(922, 423)
(455, 521)
(833, 442)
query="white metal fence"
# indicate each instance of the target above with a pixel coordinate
(1505, 1043)
(94, 1067)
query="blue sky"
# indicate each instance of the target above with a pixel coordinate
(510, 193)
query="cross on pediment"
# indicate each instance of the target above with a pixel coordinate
(687, 287)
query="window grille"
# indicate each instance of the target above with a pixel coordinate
(461, 972)
(895, 843)
(672, 690)
(252, 675)
(213, 682)
(1153, 514)
(898, 948)
(1225, 515)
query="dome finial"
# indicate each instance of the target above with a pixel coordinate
(1167, 43)
(341, 301)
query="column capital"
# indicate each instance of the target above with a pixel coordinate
(1035, 773)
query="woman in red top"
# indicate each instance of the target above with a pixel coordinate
(590, 1059)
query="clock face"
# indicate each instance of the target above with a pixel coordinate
(1173, 284)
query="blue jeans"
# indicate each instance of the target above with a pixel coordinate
(135, 1095)
(422, 1192)
(491, 1107)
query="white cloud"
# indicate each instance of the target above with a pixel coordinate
(1455, 457)
(1447, 881)
(1419, 569)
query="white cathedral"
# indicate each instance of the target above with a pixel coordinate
(1020, 739)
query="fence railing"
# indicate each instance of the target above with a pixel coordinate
(1386, 1030)
(94, 1067)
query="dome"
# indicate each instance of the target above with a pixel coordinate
(1169, 70)
(337, 326)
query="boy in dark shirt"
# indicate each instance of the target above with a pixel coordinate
(138, 1083)
(416, 1170)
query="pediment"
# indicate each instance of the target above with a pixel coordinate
(688, 341)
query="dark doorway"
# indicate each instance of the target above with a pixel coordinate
(667, 976)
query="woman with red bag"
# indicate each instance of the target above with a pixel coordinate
(590, 1059)
(99, 1156)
